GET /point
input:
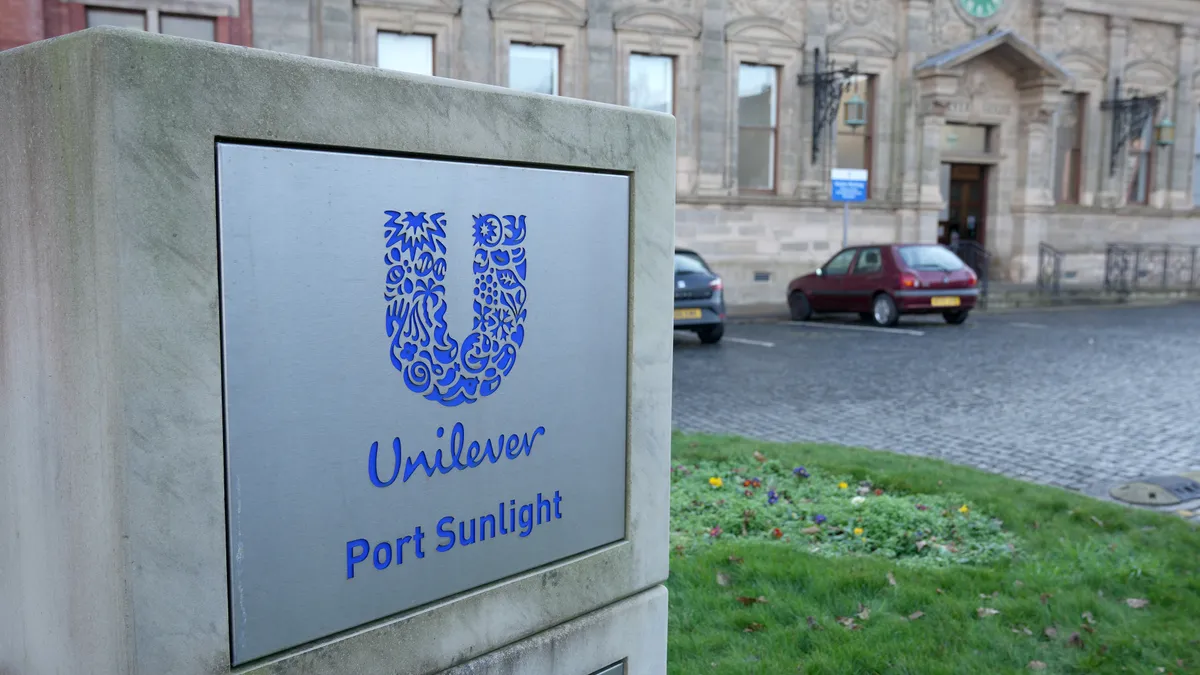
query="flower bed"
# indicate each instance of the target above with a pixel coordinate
(828, 515)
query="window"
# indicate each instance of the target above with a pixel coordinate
(533, 68)
(116, 17)
(870, 261)
(406, 53)
(689, 263)
(1196, 164)
(195, 27)
(1141, 151)
(652, 83)
(930, 258)
(1069, 155)
(966, 138)
(758, 101)
(840, 263)
(854, 142)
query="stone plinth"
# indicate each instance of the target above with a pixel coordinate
(182, 258)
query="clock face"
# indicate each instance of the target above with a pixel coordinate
(981, 9)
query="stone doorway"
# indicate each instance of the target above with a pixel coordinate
(966, 205)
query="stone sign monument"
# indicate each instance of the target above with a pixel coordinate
(318, 368)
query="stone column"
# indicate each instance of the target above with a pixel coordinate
(1184, 116)
(812, 174)
(1049, 20)
(474, 62)
(714, 103)
(1111, 193)
(601, 71)
(906, 178)
(1034, 194)
(935, 90)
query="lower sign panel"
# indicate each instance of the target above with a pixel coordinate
(425, 380)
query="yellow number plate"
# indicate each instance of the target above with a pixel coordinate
(945, 302)
(693, 313)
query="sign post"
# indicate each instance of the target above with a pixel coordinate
(849, 185)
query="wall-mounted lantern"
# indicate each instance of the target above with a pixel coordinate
(1164, 133)
(828, 84)
(855, 115)
(1129, 119)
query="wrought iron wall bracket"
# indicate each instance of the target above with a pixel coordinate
(1129, 119)
(828, 84)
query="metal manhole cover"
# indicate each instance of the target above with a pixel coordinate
(1159, 490)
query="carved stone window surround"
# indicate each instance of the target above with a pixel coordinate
(788, 59)
(439, 23)
(553, 23)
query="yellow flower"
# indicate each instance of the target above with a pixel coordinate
(715, 481)
(858, 531)
(963, 509)
(842, 486)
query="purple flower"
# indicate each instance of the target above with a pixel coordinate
(818, 519)
(772, 497)
(800, 471)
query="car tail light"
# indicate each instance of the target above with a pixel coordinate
(971, 278)
(716, 284)
(909, 280)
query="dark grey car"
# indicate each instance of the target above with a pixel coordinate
(699, 297)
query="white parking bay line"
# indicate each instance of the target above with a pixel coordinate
(849, 326)
(1021, 324)
(756, 343)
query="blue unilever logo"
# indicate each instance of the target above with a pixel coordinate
(432, 362)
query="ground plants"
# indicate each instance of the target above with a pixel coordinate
(1039, 579)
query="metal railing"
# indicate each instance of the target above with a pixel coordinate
(1133, 267)
(1049, 269)
(979, 260)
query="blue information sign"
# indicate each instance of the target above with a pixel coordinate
(849, 185)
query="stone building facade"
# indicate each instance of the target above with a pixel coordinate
(984, 118)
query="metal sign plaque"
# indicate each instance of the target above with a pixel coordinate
(425, 380)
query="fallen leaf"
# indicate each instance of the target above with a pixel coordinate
(1018, 583)
(815, 529)
(1051, 632)
(812, 623)
(939, 591)
(1136, 603)
(915, 615)
(735, 560)
(1184, 513)
(864, 612)
(754, 628)
(760, 457)
(722, 579)
(1088, 628)
(746, 600)
(1097, 521)
(679, 550)
(1022, 629)
(986, 611)
(848, 623)
(891, 579)
(1037, 665)
(921, 544)
(1075, 641)
(1046, 597)
(1179, 662)
(1087, 616)
(1036, 525)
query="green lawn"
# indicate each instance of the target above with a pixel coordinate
(1066, 563)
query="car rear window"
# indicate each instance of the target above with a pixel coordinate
(930, 258)
(689, 264)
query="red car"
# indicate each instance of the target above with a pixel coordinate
(882, 282)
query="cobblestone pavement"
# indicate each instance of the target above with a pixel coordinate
(1068, 398)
